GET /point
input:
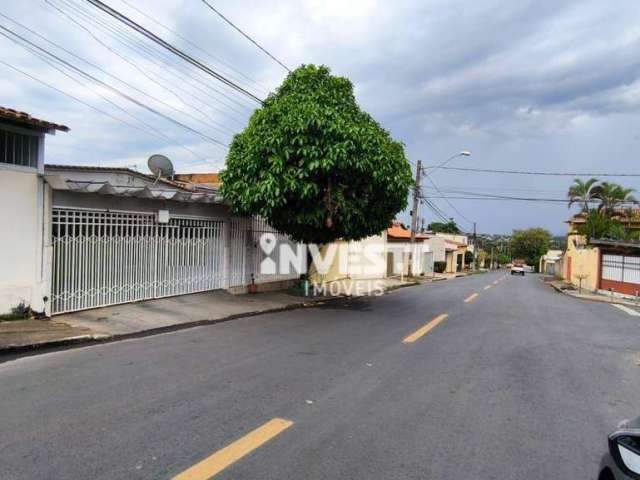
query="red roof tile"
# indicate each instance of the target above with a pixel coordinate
(26, 119)
(398, 231)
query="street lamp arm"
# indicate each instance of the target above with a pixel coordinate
(464, 153)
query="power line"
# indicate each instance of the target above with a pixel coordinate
(435, 209)
(108, 86)
(153, 37)
(557, 174)
(218, 127)
(196, 46)
(140, 48)
(448, 202)
(246, 36)
(508, 198)
(103, 112)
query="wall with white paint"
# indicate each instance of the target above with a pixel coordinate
(22, 279)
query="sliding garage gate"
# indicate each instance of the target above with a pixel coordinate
(620, 273)
(105, 258)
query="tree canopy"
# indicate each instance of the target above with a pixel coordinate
(582, 193)
(314, 165)
(608, 219)
(440, 227)
(530, 244)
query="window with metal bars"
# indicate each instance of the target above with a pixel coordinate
(19, 149)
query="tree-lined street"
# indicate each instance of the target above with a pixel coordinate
(516, 382)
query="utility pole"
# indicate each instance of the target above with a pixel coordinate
(491, 261)
(414, 214)
(475, 247)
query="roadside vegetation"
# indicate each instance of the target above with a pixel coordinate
(316, 166)
(606, 207)
(441, 227)
(530, 245)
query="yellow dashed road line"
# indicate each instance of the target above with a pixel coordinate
(221, 459)
(471, 298)
(422, 331)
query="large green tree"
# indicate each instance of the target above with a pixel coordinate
(530, 244)
(448, 227)
(314, 165)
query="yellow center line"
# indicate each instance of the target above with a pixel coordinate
(487, 287)
(230, 454)
(470, 298)
(422, 331)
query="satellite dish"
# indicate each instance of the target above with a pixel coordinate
(160, 166)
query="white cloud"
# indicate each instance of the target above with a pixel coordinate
(533, 83)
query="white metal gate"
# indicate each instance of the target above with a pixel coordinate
(105, 258)
(621, 268)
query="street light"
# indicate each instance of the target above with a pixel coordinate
(463, 153)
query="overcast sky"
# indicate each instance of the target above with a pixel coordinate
(525, 85)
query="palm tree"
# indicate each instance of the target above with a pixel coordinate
(582, 193)
(612, 197)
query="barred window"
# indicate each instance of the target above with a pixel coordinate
(19, 149)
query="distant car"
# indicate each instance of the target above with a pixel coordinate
(622, 462)
(517, 267)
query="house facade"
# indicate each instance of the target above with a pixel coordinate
(85, 237)
(385, 255)
(601, 265)
(455, 246)
(24, 203)
(549, 262)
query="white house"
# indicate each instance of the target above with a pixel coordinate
(82, 237)
(385, 255)
(24, 202)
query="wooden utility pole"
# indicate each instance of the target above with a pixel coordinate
(475, 247)
(414, 214)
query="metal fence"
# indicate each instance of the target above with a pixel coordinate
(621, 268)
(105, 258)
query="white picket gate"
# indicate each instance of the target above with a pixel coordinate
(104, 258)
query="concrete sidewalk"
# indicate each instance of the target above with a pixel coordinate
(572, 291)
(161, 315)
(143, 318)
(18, 334)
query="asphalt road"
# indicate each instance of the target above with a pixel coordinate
(520, 382)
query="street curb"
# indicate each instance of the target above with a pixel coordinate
(17, 351)
(608, 300)
(12, 352)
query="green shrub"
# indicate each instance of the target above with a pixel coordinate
(439, 267)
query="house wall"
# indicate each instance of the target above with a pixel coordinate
(437, 246)
(581, 264)
(452, 261)
(349, 261)
(463, 239)
(23, 197)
